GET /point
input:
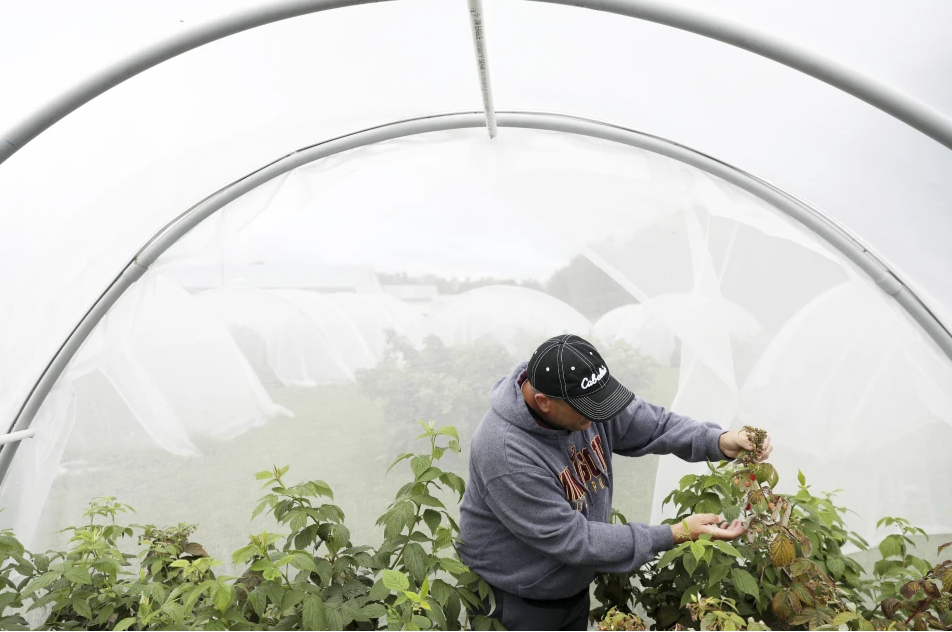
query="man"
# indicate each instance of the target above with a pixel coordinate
(534, 519)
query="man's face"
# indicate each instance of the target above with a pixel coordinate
(564, 416)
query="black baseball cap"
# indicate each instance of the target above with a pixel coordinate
(570, 368)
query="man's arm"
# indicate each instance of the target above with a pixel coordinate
(644, 428)
(532, 505)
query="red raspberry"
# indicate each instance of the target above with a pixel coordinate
(753, 478)
(748, 507)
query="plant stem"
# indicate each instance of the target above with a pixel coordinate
(416, 518)
(922, 608)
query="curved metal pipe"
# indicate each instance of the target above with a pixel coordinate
(179, 227)
(880, 95)
(895, 103)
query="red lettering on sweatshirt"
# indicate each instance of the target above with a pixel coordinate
(574, 491)
(597, 449)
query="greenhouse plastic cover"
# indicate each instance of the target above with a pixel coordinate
(293, 325)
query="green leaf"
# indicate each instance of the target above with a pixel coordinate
(125, 623)
(222, 596)
(77, 575)
(727, 547)
(454, 482)
(686, 480)
(717, 573)
(303, 562)
(686, 597)
(801, 478)
(420, 464)
(432, 519)
(324, 571)
(258, 601)
(426, 499)
(745, 582)
(394, 580)
(397, 518)
(441, 591)
(156, 591)
(891, 546)
(379, 591)
(314, 615)
(730, 512)
(697, 550)
(431, 473)
(81, 606)
(690, 563)
(452, 566)
(669, 556)
(708, 504)
(405, 455)
(340, 536)
(102, 614)
(415, 559)
(298, 520)
(843, 617)
(373, 611)
(449, 431)
(43, 563)
(41, 582)
(835, 565)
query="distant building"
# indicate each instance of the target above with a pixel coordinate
(423, 297)
(299, 276)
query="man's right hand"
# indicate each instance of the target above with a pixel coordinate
(699, 524)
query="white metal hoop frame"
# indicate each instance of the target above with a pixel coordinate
(895, 103)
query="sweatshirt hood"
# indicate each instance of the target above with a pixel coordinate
(507, 401)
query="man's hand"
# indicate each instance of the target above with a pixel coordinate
(699, 524)
(731, 443)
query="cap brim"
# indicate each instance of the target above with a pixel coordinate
(605, 403)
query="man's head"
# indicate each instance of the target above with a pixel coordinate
(571, 385)
(556, 412)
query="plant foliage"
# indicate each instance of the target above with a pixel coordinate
(788, 572)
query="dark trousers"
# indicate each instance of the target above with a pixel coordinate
(516, 613)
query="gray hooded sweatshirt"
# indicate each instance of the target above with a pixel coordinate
(534, 518)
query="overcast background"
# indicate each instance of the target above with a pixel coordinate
(92, 189)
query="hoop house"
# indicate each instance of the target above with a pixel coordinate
(254, 239)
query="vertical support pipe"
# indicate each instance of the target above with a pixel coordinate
(478, 27)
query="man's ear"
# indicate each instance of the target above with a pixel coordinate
(543, 402)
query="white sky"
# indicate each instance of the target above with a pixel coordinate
(291, 85)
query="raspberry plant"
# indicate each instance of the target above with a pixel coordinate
(788, 571)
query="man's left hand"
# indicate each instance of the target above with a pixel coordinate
(732, 442)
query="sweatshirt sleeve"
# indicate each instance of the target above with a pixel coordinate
(532, 505)
(644, 428)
